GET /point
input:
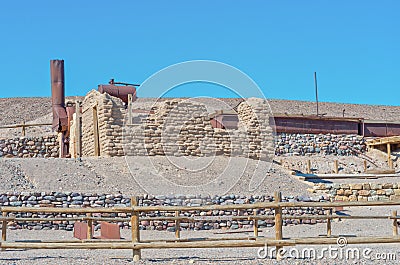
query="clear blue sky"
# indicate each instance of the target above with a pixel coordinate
(353, 45)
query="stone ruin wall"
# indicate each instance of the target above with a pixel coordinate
(111, 114)
(183, 128)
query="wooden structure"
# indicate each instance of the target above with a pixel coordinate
(386, 144)
(23, 126)
(136, 244)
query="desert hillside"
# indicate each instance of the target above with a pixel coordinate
(17, 110)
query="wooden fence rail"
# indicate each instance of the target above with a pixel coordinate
(24, 126)
(136, 244)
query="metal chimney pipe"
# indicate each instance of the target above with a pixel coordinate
(60, 118)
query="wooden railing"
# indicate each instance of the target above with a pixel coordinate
(136, 244)
(24, 126)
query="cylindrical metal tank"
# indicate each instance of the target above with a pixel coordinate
(121, 92)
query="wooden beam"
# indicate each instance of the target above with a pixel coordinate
(177, 226)
(255, 223)
(24, 125)
(4, 227)
(259, 205)
(78, 129)
(96, 132)
(135, 229)
(260, 242)
(350, 176)
(308, 169)
(329, 223)
(23, 129)
(89, 226)
(129, 109)
(278, 224)
(336, 166)
(395, 225)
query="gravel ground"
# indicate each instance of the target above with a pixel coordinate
(215, 256)
(113, 175)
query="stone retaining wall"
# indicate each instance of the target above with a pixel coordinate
(359, 191)
(46, 146)
(72, 199)
(325, 144)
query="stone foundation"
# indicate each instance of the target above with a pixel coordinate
(46, 146)
(324, 144)
(360, 191)
(72, 199)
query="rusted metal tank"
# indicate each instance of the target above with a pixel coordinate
(60, 118)
(120, 92)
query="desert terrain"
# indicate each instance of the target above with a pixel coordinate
(114, 175)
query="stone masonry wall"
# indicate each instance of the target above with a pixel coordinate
(206, 219)
(110, 113)
(184, 128)
(46, 146)
(325, 144)
(359, 191)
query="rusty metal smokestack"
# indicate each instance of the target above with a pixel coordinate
(60, 118)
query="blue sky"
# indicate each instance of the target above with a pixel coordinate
(352, 45)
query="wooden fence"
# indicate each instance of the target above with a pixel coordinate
(136, 244)
(24, 126)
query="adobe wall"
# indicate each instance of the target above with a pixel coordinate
(110, 113)
(183, 128)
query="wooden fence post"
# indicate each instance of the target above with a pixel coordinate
(255, 223)
(78, 128)
(96, 132)
(135, 228)
(177, 226)
(329, 223)
(89, 227)
(365, 165)
(4, 229)
(129, 109)
(278, 223)
(308, 166)
(390, 163)
(23, 129)
(395, 229)
(336, 167)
